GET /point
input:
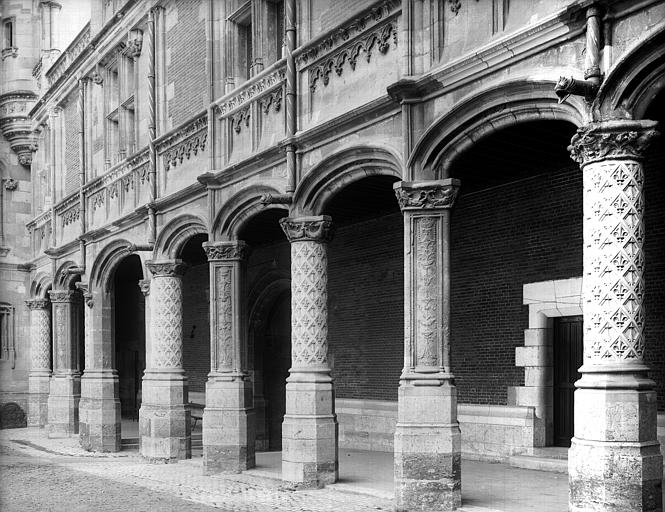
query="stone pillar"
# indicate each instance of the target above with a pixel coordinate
(228, 418)
(65, 388)
(427, 436)
(164, 417)
(100, 420)
(40, 361)
(309, 430)
(614, 462)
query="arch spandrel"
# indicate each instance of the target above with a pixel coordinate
(40, 285)
(340, 169)
(483, 113)
(175, 234)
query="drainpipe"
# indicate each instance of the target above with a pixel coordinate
(149, 44)
(291, 105)
(83, 82)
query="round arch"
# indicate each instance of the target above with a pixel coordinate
(40, 286)
(340, 169)
(634, 80)
(63, 279)
(486, 112)
(101, 273)
(240, 208)
(175, 235)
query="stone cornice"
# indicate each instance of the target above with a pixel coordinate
(172, 268)
(234, 250)
(308, 229)
(423, 195)
(37, 303)
(612, 140)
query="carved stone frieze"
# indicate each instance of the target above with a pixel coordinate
(315, 229)
(184, 142)
(62, 295)
(612, 140)
(224, 317)
(235, 250)
(166, 268)
(239, 118)
(98, 199)
(427, 194)
(251, 92)
(273, 99)
(427, 272)
(77, 46)
(70, 215)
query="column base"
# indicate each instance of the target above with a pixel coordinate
(38, 386)
(63, 404)
(614, 462)
(164, 418)
(427, 448)
(309, 434)
(228, 426)
(99, 411)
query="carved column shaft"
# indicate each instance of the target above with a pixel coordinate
(614, 461)
(427, 460)
(40, 361)
(309, 431)
(64, 331)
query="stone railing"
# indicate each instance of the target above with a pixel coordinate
(68, 210)
(80, 42)
(39, 229)
(183, 142)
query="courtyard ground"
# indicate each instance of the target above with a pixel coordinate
(40, 474)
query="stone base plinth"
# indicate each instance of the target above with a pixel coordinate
(99, 412)
(164, 418)
(63, 404)
(614, 462)
(427, 449)
(262, 440)
(309, 435)
(38, 386)
(228, 426)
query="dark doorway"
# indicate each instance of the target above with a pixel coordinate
(276, 364)
(567, 353)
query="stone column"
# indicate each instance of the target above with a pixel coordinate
(309, 430)
(228, 418)
(427, 437)
(40, 361)
(614, 462)
(100, 420)
(65, 388)
(164, 418)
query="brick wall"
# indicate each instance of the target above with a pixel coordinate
(71, 125)
(330, 14)
(502, 238)
(196, 326)
(186, 74)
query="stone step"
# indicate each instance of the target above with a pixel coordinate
(551, 452)
(551, 464)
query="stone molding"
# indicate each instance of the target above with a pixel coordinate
(184, 141)
(73, 51)
(219, 251)
(16, 125)
(612, 140)
(62, 295)
(271, 83)
(38, 304)
(174, 268)
(420, 195)
(308, 229)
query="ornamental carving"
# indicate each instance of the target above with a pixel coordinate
(427, 194)
(186, 141)
(166, 268)
(166, 320)
(224, 317)
(60, 341)
(309, 304)
(98, 199)
(613, 284)
(73, 51)
(239, 118)
(40, 342)
(237, 250)
(612, 140)
(37, 304)
(273, 99)
(70, 216)
(380, 39)
(427, 292)
(144, 286)
(134, 44)
(15, 124)
(250, 92)
(62, 295)
(315, 229)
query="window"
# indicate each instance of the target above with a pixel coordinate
(120, 110)
(8, 33)
(7, 351)
(241, 20)
(275, 31)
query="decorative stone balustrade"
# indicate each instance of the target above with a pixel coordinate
(183, 142)
(75, 49)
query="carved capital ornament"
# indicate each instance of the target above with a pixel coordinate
(62, 295)
(37, 303)
(234, 250)
(308, 229)
(419, 195)
(612, 140)
(166, 268)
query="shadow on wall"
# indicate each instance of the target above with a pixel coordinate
(12, 416)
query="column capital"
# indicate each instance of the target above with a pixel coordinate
(620, 139)
(173, 268)
(317, 228)
(62, 295)
(230, 250)
(426, 195)
(87, 294)
(37, 303)
(144, 285)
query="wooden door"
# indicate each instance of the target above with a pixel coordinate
(567, 353)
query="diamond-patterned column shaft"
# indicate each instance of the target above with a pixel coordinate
(614, 461)
(40, 334)
(427, 435)
(309, 431)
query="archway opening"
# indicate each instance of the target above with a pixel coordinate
(129, 334)
(269, 310)
(517, 221)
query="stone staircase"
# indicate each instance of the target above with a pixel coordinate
(553, 459)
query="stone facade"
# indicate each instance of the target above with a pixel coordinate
(172, 145)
